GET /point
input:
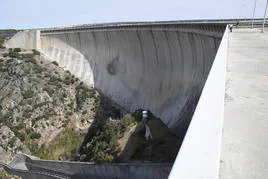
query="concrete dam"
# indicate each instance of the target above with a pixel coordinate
(159, 66)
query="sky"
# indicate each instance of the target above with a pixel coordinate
(26, 14)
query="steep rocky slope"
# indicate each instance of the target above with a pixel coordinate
(38, 102)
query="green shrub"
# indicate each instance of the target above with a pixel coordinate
(27, 55)
(28, 94)
(3, 69)
(72, 81)
(13, 54)
(107, 159)
(6, 118)
(103, 145)
(64, 95)
(29, 130)
(40, 104)
(38, 69)
(17, 50)
(68, 142)
(11, 143)
(68, 72)
(35, 135)
(26, 114)
(17, 127)
(35, 52)
(21, 136)
(82, 93)
(67, 80)
(69, 113)
(33, 147)
(2, 39)
(49, 91)
(30, 60)
(55, 63)
(54, 80)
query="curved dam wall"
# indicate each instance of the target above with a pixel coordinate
(160, 68)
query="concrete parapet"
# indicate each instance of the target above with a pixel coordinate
(199, 156)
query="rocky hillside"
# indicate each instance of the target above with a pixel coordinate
(39, 101)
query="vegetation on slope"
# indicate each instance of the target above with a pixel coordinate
(62, 148)
(5, 175)
(103, 145)
(123, 140)
(38, 101)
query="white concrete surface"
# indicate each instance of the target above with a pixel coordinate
(245, 132)
(28, 39)
(199, 156)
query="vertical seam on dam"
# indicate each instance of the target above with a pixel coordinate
(142, 52)
(79, 39)
(156, 50)
(170, 57)
(194, 55)
(95, 51)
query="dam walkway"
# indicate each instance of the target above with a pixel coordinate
(245, 129)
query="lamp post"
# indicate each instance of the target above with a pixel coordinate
(253, 13)
(264, 18)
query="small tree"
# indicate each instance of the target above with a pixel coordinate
(55, 63)
(36, 52)
(35, 135)
(17, 50)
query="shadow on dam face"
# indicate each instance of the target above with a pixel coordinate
(159, 68)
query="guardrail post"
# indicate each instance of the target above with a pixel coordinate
(264, 18)
(253, 14)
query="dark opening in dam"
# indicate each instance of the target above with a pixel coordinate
(161, 67)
